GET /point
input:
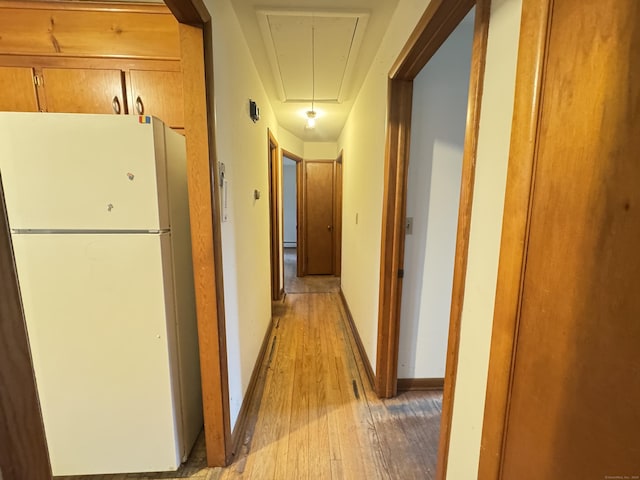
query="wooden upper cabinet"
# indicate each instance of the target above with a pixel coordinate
(75, 90)
(17, 90)
(159, 94)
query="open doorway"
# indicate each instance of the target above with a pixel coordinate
(291, 217)
(437, 24)
(439, 111)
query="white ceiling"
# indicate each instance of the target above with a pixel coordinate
(347, 36)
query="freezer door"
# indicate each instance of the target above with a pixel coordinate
(100, 318)
(91, 172)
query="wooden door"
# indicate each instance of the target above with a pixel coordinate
(77, 90)
(158, 93)
(319, 217)
(575, 391)
(17, 90)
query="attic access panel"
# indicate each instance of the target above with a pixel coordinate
(288, 41)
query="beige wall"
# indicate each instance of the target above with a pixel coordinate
(242, 147)
(484, 240)
(320, 150)
(290, 143)
(363, 141)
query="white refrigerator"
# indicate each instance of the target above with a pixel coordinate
(98, 210)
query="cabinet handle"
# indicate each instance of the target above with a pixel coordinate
(115, 103)
(329, 227)
(139, 106)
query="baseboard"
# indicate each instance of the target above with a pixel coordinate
(356, 336)
(411, 384)
(244, 414)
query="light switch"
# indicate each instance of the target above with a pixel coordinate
(409, 225)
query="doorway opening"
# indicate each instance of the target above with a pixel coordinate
(437, 24)
(439, 110)
(292, 217)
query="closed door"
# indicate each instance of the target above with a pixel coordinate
(77, 90)
(575, 395)
(17, 90)
(158, 94)
(319, 217)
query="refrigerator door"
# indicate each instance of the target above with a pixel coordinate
(100, 318)
(89, 172)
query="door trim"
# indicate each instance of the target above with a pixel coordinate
(299, 205)
(275, 215)
(438, 21)
(523, 155)
(196, 49)
(337, 215)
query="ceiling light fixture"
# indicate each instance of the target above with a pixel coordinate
(311, 114)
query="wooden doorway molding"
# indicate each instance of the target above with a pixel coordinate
(204, 207)
(299, 216)
(337, 221)
(274, 159)
(439, 20)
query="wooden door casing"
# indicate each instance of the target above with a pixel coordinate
(79, 90)
(319, 217)
(17, 90)
(563, 392)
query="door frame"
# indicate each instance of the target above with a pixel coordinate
(438, 21)
(530, 71)
(299, 205)
(337, 215)
(196, 56)
(274, 161)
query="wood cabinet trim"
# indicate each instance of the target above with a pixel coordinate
(113, 62)
(121, 7)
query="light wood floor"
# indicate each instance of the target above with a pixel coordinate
(317, 416)
(308, 284)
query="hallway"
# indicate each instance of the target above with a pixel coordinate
(317, 416)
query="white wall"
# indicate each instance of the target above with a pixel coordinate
(484, 240)
(290, 143)
(320, 150)
(289, 202)
(440, 93)
(242, 146)
(363, 141)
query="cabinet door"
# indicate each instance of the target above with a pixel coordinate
(75, 90)
(17, 90)
(158, 93)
